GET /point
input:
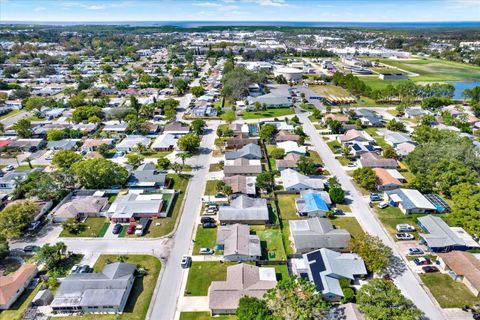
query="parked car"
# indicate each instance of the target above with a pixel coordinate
(207, 220)
(337, 211)
(375, 197)
(422, 261)
(75, 268)
(405, 228)
(382, 205)
(219, 195)
(206, 251)
(117, 228)
(9, 168)
(131, 228)
(142, 226)
(415, 251)
(31, 248)
(404, 236)
(186, 262)
(84, 269)
(428, 269)
(208, 225)
(211, 211)
(351, 164)
(34, 226)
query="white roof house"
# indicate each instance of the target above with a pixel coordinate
(165, 142)
(292, 147)
(295, 181)
(410, 201)
(130, 143)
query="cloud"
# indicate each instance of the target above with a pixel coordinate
(38, 9)
(96, 7)
(269, 3)
(228, 8)
(206, 4)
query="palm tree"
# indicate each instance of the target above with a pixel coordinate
(183, 156)
(29, 161)
(141, 148)
(2, 128)
(228, 192)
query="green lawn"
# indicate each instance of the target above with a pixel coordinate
(333, 144)
(25, 167)
(20, 305)
(272, 243)
(156, 154)
(391, 216)
(448, 293)
(330, 90)
(9, 114)
(94, 227)
(201, 274)
(289, 249)
(203, 316)
(281, 271)
(210, 188)
(269, 113)
(343, 207)
(349, 223)
(272, 163)
(167, 224)
(205, 238)
(286, 206)
(378, 138)
(315, 157)
(215, 167)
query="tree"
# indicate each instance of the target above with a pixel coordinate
(180, 85)
(197, 126)
(435, 103)
(336, 194)
(37, 103)
(99, 173)
(197, 91)
(335, 126)
(277, 153)
(395, 125)
(22, 128)
(389, 153)
(380, 299)
(219, 186)
(267, 132)
(296, 298)
(189, 143)
(229, 116)
(134, 159)
(46, 186)
(15, 218)
(64, 159)
(251, 308)
(365, 177)
(55, 134)
(376, 255)
(4, 248)
(266, 181)
(466, 207)
(163, 163)
(86, 112)
(72, 226)
(317, 114)
(52, 256)
(306, 165)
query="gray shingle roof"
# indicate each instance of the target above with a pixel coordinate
(250, 151)
(317, 233)
(244, 208)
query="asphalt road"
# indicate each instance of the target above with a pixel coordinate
(11, 120)
(403, 276)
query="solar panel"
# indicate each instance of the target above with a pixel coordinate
(317, 266)
(438, 202)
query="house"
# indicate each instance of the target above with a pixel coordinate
(269, 100)
(64, 144)
(10, 179)
(28, 145)
(316, 233)
(42, 298)
(403, 149)
(146, 176)
(373, 160)
(115, 126)
(79, 207)
(242, 167)
(251, 151)
(292, 147)
(385, 181)
(283, 136)
(244, 209)
(98, 292)
(237, 243)
(130, 143)
(462, 267)
(343, 119)
(325, 268)
(288, 162)
(359, 148)
(90, 145)
(176, 128)
(353, 135)
(439, 237)
(414, 112)
(241, 184)
(239, 141)
(13, 284)
(165, 142)
(369, 117)
(281, 125)
(395, 138)
(242, 280)
(134, 205)
(409, 201)
(295, 181)
(312, 204)
(4, 143)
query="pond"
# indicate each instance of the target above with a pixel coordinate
(462, 85)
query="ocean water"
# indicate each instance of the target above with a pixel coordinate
(462, 85)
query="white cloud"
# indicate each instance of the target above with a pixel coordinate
(206, 4)
(96, 7)
(38, 9)
(228, 8)
(269, 3)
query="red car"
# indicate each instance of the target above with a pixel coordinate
(131, 228)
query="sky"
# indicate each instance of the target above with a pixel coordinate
(241, 10)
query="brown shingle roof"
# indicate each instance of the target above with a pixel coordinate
(463, 264)
(11, 283)
(384, 178)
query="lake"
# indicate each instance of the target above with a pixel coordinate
(462, 85)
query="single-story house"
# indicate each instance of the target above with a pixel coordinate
(130, 143)
(342, 118)
(241, 184)
(237, 243)
(270, 100)
(403, 149)
(165, 142)
(281, 125)
(64, 144)
(288, 162)
(373, 160)
(92, 144)
(133, 205)
(355, 135)
(98, 292)
(242, 167)
(239, 141)
(28, 145)
(283, 136)
(79, 207)
(242, 280)
(244, 209)
(409, 201)
(414, 112)
(292, 147)
(176, 128)
(440, 237)
(115, 126)
(385, 181)
(146, 176)
(325, 268)
(462, 267)
(316, 233)
(10, 179)
(13, 285)
(369, 117)
(395, 138)
(295, 181)
(251, 151)
(312, 203)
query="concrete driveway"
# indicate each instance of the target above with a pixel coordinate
(192, 304)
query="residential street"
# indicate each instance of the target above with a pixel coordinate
(11, 120)
(405, 279)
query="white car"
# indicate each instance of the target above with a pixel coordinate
(405, 228)
(404, 236)
(382, 205)
(206, 251)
